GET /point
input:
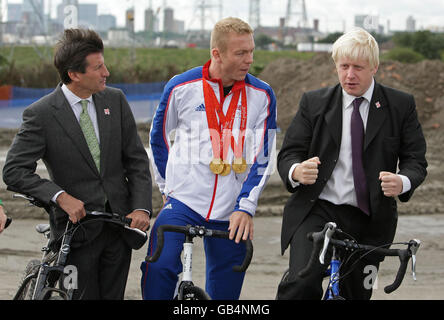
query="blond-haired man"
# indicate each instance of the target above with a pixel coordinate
(339, 159)
(209, 178)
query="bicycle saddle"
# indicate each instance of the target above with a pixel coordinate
(42, 228)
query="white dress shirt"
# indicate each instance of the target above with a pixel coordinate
(74, 102)
(340, 188)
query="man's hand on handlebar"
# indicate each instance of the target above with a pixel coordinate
(2, 219)
(72, 206)
(241, 225)
(139, 219)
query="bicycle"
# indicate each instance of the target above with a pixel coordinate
(327, 240)
(187, 290)
(43, 279)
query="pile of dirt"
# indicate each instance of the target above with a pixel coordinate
(290, 78)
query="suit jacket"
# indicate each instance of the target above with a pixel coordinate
(393, 134)
(51, 132)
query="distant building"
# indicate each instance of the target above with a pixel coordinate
(368, 22)
(291, 35)
(168, 20)
(410, 25)
(119, 37)
(88, 17)
(170, 24)
(151, 21)
(33, 17)
(14, 12)
(106, 22)
(14, 18)
(129, 20)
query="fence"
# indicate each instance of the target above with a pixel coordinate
(150, 93)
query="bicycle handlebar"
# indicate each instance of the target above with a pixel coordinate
(403, 254)
(199, 231)
(114, 217)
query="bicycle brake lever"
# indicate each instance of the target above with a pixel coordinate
(331, 227)
(414, 246)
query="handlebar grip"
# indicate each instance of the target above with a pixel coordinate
(314, 255)
(404, 257)
(127, 221)
(248, 256)
(8, 222)
(248, 245)
(159, 246)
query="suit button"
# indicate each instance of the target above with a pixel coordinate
(312, 200)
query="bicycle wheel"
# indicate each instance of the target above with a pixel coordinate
(194, 293)
(28, 289)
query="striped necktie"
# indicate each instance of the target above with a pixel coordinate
(89, 133)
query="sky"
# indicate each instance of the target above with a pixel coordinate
(333, 15)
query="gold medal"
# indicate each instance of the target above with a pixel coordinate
(226, 170)
(239, 165)
(217, 166)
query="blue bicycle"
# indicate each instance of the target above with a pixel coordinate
(331, 239)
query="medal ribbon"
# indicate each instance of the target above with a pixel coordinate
(224, 126)
(239, 146)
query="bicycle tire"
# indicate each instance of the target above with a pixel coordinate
(28, 291)
(194, 293)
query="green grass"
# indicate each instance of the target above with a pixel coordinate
(126, 64)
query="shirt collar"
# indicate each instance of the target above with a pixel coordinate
(348, 99)
(206, 75)
(71, 97)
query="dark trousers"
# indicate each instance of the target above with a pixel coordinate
(355, 285)
(102, 266)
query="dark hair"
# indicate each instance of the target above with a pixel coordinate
(73, 48)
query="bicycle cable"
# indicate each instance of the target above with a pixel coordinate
(352, 267)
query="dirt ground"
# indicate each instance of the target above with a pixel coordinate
(20, 243)
(422, 217)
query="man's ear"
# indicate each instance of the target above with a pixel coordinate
(215, 54)
(73, 76)
(375, 69)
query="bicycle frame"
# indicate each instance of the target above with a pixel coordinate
(46, 270)
(333, 285)
(187, 275)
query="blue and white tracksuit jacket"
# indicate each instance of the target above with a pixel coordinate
(182, 169)
(196, 194)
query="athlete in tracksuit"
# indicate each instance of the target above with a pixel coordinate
(194, 193)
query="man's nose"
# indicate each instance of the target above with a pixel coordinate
(249, 58)
(105, 71)
(350, 73)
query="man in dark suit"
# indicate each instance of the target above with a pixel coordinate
(86, 136)
(339, 160)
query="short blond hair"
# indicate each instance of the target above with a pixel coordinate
(357, 44)
(223, 27)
